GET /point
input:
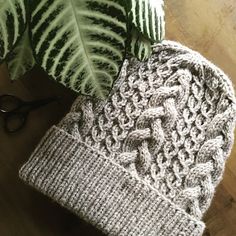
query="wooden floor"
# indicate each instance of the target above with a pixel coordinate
(207, 26)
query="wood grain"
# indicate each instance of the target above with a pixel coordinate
(206, 26)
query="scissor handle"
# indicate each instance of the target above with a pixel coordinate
(9, 103)
(14, 121)
(16, 110)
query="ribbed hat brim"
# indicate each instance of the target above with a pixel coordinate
(102, 192)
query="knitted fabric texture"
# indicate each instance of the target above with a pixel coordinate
(147, 160)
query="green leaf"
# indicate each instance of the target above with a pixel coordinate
(12, 24)
(148, 17)
(80, 43)
(21, 59)
(140, 46)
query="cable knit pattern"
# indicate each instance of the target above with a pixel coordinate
(168, 122)
(162, 121)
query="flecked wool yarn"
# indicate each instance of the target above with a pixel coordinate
(146, 161)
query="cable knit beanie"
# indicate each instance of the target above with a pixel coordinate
(146, 161)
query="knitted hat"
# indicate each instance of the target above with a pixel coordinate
(147, 160)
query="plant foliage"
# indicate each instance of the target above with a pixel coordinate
(140, 46)
(20, 59)
(12, 24)
(79, 43)
(148, 18)
(147, 26)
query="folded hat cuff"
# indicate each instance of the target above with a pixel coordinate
(102, 192)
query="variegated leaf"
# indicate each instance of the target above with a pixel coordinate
(148, 17)
(80, 43)
(140, 46)
(21, 59)
(12, 24)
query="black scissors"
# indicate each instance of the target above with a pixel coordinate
(15, 111)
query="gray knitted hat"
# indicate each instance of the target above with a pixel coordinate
(147, 160)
